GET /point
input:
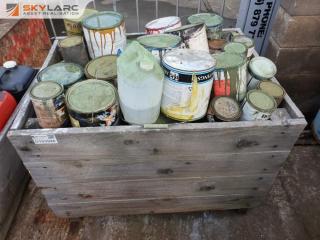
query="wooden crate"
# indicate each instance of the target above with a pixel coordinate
(122, 170)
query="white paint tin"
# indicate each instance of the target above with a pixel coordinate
(160, 25)
(260, 68)
(258, 105)
(188, 83)
(105, 34)
(194, 36)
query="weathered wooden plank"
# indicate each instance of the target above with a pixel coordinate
(133, 142)
(151, 206)
(157, 188)
(51, 171)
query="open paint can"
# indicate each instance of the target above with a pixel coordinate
(223, 109)
(273, 89)
(74, 50)
(160, 25)
(248, 42)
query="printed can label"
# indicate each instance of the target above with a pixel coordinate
(249, 113)
(185, 96)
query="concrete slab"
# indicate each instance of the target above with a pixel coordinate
(291, 211)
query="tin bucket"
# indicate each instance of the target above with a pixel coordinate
(188, 80)
(105, 34)
(48, 102)
(159, 44)
(92, 103)
(65, 74)
(193, 36)
(258, 105)
(213, 22)
(73, 50)
(160, 25)
(260, 68)
(73, 25)
(103, 68)
(230, 76)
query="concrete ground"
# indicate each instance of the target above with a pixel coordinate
(291, 211)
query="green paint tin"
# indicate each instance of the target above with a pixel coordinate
(65, 74)
(237, 48)
(92, 103)
(273, 89)
(212, 21)
(248, 42)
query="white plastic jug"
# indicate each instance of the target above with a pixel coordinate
(140, 85)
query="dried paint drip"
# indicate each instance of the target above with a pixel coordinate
(105, 34)
(187, 91)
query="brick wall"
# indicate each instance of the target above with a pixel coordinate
(295, 48)
(26, 41)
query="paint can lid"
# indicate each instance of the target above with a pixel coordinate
(227, 60)
(262, 68)
(87, 12)
(273, 89)
(189, 60)
(185, 28)
(103, 20)
(210, 19)
(163, 23)
(9, 64)
(90, 96)
(261, 101)
(70, 41)
(104, 68)
(244, 40)
(225, 108)
(238, 48)
(160, 40)
(46, 90)
(63, 73)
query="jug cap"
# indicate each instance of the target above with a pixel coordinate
(146, 65)
(9, 64)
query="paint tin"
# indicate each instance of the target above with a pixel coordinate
(65, 74)
(160, 25)
(92, 103)
(223, 109)
(258, 105)
(73, 50)
(230, 76)
(49, 104)
(248, 42)
(260, 68)
(236, 48)
(273, 89)
(103, 68)
(105, 34)
(188, 80)
(73, 25)
(213, 22)
(159, 44)
(193, 36)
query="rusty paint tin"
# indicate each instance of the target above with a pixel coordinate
(213, 22)
(160, 25)
(273, 89)
(105, 34)
(260, 68)
(223, 109)
(65, 74)
(248, 42)
(188, 80)
(74, 50)
(258, 105)
(193, 36)
(230, 76)
(49, 104)
(92, 103)
(159, 44)
(73, 25)
(103, 68)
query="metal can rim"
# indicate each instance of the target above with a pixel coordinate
(32, 96)
(211, 14)
(238, 36)
(273, 83)
(236, 117)
(84, 24)
(89, 76)
(164, 27)
(259, 109)
(161, 34)
(73, 36)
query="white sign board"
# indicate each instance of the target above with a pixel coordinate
(256, 18)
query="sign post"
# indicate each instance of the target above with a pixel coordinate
(256, 18)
